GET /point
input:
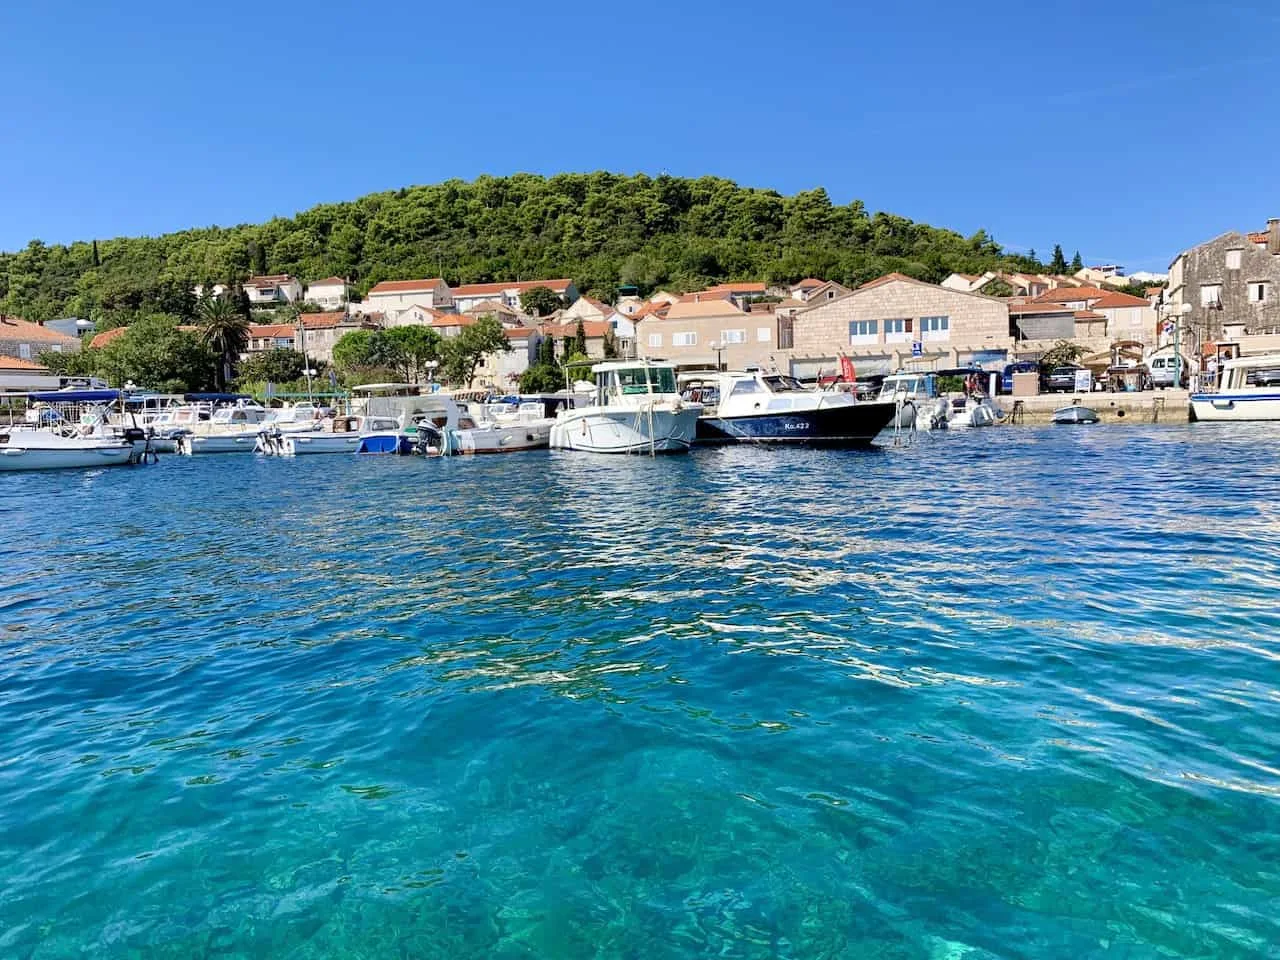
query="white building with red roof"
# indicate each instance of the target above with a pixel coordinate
(392, 296)
(329, 293)
(272, 289)
(468, 295)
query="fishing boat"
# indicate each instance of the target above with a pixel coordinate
(771, 408)
(1249, 389)
(1075, 414)
(637, 409)
(341, 434)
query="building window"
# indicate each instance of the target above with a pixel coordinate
(935, 328)
(655, 339)
(733, 336)
(1257, 292)
(786, 333)
(1233, 259)
(24, 351)
(764, 334)
(56, 348)
(863, 331)
(684, 339)
(1210, 294)
(897, 331)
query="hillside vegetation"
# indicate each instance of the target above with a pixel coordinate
(601, 229)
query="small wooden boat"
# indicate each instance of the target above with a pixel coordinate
(1075, 414)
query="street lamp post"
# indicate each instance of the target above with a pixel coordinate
(718, 347)
(431, 366)
(1179, 316)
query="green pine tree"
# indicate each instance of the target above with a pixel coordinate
(1059, 263)
(1076, 263)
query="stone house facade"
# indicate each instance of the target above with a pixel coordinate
(1232, 280)
(700, 334)
(878, 323)
(26, 341)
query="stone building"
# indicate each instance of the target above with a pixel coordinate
(26, 341)
(701, 333)
(1232, 280)
(878, 323)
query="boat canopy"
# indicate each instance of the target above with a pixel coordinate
(215, 397)
(75, 396)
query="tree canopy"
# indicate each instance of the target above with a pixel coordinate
(598, 228)
(463, 353)
(540, 301)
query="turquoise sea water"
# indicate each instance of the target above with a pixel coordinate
(1007, 694)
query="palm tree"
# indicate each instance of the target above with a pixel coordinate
(225, 331)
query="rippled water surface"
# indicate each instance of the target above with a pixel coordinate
(1008, 694)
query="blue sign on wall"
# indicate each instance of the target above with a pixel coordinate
(917, 348)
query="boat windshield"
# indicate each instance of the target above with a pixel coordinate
(633, 379)
(781, 384)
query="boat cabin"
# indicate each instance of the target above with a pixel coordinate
(244, 416)
(1254, 374)
(914, 385)
(768, 391)
(617, 380)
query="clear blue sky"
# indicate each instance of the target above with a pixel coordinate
(1128, 130)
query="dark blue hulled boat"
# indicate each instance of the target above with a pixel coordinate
(754, 407)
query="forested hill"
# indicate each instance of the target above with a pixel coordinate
(602, 229)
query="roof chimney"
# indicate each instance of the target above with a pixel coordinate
(1273, 236)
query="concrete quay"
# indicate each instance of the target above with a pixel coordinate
(1150, 406)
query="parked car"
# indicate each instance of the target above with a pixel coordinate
(1165, 369)
(1062, 379)
(1022, 366)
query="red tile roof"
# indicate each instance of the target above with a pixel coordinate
(322, 321)
(11, 328)
(259, 330)
(17, 363)
(808, 283)
(453, 320)
(1259, 237)
(591, 328)
(115, 333)
(1090, 315)
(521, 286)
(743, 287)
(491, 306)
(517, 333)
(1112, 300)
(1070, 294)
(271, 280)
(327, 281)
(405, 286)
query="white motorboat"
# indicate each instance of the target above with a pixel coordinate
(919, 406)
(27, 447)
(755, 407)
(1249, 389)
(229, 430)
(637, 409)
(972, 412)
(342, 434)
(449, 428)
